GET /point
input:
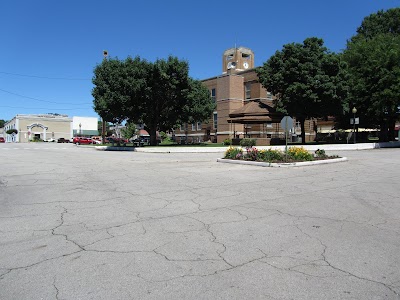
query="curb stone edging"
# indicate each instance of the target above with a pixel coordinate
(114, 148)
(326, 147)
(282, 165)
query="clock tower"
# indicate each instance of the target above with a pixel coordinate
(237, 59)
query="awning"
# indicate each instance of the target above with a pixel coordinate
(255, 112)
(250, 119)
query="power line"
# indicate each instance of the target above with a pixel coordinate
(36, 99)
(43, 108)
(43, 77)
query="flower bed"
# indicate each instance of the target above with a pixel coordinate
(293, 154)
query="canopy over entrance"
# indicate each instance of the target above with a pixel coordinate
(255, 112)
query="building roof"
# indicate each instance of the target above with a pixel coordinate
(257, 111)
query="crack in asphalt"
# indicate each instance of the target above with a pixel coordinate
(55, 287)
(323, 254)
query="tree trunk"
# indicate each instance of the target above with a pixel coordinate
(153, 135)
(391, 124)
(303, 131)
(383, 134)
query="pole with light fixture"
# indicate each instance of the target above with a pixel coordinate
(103, 122)
(354, 111)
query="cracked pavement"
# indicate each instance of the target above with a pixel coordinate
(76, 223)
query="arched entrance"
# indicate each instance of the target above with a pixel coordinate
(40, 134)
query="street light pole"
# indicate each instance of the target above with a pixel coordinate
(103, 122)
(354, 111)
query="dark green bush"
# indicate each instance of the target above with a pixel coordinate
(11, 131)
(248, 143)
(320, 153)
(227, 142)
(271, 155)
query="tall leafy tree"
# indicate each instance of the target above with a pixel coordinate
(165, 98)
(118, 86)
(129, 130)
(373, 56)
(377, 23)
(307, 79)
(199, 106)
(159, 95)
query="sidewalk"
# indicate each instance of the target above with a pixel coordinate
(222, 149)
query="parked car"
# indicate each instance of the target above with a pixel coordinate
(118, 141)
(2, 140)
(79, 140)
(96, 138)
(62, 140)
(52, 140)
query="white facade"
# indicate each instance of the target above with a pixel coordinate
(87, 126)
(38, 127)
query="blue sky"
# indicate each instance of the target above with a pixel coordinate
(49, 48)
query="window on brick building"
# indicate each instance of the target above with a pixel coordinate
(269, 95)
(248, 90)
(215, 119)
(213, 95)
(199, 126)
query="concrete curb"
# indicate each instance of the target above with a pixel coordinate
(282, 165)
(110, 148)
(222, 149)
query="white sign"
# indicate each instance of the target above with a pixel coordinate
(356, 119)
(287, 123)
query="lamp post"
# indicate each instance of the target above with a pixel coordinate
(354, 111)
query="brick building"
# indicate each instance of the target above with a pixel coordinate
(236, 87)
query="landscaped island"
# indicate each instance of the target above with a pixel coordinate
(292, 155)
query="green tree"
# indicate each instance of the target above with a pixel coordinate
(378, 23)
(129, 130)
(159, 95)
(117, 87)
(307, 79)
(2, 122)
(200, 105)
(108, 132)
(373, 57)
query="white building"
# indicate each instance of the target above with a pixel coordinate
(85, 126)
(47, 127)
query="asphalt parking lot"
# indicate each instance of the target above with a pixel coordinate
(76, 223)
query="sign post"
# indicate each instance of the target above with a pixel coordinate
(286, 124)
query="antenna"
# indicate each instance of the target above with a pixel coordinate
(235, 53)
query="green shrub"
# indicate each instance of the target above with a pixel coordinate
(320, 153)
(227, 142)
(234, 153)
(248, 143)
(271, 155)
(299, 153)
(11, 131)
